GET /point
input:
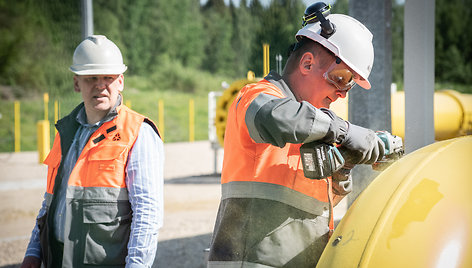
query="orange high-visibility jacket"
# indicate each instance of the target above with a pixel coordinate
(98, 212)
(270, 213)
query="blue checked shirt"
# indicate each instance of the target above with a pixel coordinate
(144, 180)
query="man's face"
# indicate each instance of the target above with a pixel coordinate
(99, 92)
(319, 91)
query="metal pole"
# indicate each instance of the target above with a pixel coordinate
(372, 108)
(212, 97)
(278, 58)
(87, 18)
(419, 73)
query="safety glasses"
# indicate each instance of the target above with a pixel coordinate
(343, 79)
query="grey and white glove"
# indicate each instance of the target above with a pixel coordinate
(358, 145)
(361, 146)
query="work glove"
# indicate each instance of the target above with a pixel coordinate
(358, 145)
(361, 146)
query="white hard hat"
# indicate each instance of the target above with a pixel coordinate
(97, 55)
(351, 42)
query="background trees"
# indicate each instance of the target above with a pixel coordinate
(167, 41)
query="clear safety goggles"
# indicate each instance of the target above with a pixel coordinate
(343, 79)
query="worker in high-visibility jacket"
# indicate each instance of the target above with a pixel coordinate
(103, 204)
(270, 215)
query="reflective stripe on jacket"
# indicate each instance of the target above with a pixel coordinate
(98, 212)
(270, 215)
(263, 165)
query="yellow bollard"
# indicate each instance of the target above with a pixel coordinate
(56, 115)
(43, 139)
(46, 103)
(17, 126)
(161, 118)
(191, 120)
(266, 59)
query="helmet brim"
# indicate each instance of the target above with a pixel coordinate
(98, 71)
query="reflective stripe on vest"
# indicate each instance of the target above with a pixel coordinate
(267, 171)
(103, 159)
(98, 212)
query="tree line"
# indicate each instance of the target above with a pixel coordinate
(38, 38)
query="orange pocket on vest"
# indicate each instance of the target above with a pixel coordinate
(106, 166)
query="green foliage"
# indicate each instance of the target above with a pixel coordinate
(218, 26)
(453, 41)
(139, 90)
(278, 25)
(397, 42)
(178, 49)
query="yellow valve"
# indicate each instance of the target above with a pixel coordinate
(223, 104)
(417, 213)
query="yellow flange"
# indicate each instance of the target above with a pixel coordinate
(223, 104)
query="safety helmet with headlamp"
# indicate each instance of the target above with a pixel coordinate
(344, 36)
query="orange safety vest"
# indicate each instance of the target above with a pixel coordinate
(270, 213)
(97, 198)
(248, 161)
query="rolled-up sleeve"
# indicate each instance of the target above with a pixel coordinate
(145, 185)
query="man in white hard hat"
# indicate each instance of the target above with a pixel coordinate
(270, 214)
(104, 200)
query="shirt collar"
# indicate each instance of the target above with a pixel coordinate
(82, 116)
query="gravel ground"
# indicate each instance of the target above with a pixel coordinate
(191, 196)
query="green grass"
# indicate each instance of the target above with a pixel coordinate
(144, 98)
(139, 92)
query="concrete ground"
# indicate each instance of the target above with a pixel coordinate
(191, 196)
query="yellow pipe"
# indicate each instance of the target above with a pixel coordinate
(452, 113)
(417, 215)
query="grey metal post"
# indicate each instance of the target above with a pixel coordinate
(372, 108)
(87, 18)
(419, 73)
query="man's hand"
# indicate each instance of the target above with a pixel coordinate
(362, 146)
(31, 262)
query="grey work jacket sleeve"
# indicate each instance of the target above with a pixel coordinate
(277, 121)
